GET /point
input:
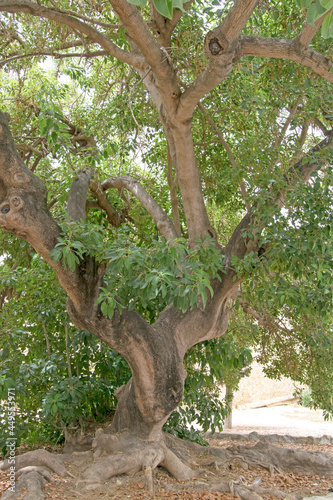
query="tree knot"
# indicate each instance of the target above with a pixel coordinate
(16, 202)
(215, 47)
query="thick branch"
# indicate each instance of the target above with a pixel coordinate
(24, 212)
(286, 49)
(163, 222)
(172, 182)
(201, 323)
(154, 56)
(76, 200)
(37, 10)
(213, 75)
(235, 21)
(221, 48)
(114, 218)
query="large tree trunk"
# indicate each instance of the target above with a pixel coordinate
(155, 353)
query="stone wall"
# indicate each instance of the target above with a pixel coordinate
(258, 390)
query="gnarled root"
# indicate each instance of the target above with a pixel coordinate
(128, 455)
(277, 459)
(32, 475)
(38, 458)
(32, 483)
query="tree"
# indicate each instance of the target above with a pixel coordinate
(259, 97)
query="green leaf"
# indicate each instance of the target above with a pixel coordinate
(305, 3)
(164, 7)
(138, 3)
(54, 409)
(314, 12)
(72, 261)
(56, 254)
(104, 308)
(327, 26)
(327, 4)
(178, 4)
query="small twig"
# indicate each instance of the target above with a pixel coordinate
(130, 105)
(56, 55)
(228, 151)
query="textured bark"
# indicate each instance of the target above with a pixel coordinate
(274, 458)
(37, 458)
(76, 200)
(29, 485)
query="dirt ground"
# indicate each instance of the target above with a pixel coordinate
(211, 473)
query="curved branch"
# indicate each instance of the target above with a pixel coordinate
(28, 7)
(113, 217)
(291, 50)
(163, 222)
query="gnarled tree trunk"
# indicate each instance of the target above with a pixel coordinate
(155, 352)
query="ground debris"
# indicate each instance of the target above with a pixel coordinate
(212, 474)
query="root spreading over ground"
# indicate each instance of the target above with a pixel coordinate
(118, 466)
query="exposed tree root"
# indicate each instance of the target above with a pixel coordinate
(32, 483)
(123, 454)
(38, 458)
(249, 492)
(278, 459)
(32, 468)
(129, 456)
(240, 489)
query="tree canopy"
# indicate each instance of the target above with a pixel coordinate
(170, 164)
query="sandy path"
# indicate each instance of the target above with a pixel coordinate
(289, 419)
